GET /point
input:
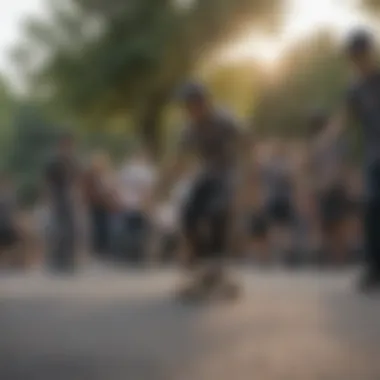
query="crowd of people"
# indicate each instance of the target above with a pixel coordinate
(269, 202)
(298, 209)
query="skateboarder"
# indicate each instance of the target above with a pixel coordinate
(209, 215)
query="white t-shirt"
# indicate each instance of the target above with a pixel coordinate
(136, 184)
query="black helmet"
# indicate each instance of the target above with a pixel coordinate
(192, 91)
(359, 41)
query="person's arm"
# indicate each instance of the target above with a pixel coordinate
(174, 165)
(335, 126)
(171, 170)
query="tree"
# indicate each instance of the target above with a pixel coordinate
(8, 104)
(130, 56)
(234, 84)
(313, 73)
(371, 5)
(30, 144)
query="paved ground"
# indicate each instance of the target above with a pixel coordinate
(112, 326)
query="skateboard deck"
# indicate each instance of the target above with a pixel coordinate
(197, 293)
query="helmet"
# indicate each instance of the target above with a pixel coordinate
(359, 41)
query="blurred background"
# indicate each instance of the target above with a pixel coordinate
(107, 74)
(94, 81)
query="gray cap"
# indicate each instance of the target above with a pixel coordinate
(192, 91)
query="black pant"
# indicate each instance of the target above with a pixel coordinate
(134, 236)
(63, 242)
(280, 211)
(99, 229)
(372, 219)
(333, 207)
(206, 217)
(8, 235)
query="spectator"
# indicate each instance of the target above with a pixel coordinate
(329, 172)
(257, 228)
(135, 186)
(9, 231)
(355, 213)
(278, 183)
(97, 193)
(63, 185)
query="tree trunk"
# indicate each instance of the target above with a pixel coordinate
(149, 127)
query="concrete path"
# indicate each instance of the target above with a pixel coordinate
(109, 325)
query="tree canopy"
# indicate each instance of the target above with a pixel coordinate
(371, 5)
(128, 58)
(236, 85)
(312, 73)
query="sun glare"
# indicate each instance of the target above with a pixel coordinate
(302, 18)
(253, 48)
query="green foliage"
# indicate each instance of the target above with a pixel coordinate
(312, 74)
(117, 145)
(129, 56)
(371, 6)
(30, 145)
(234, 85)
(7, 106)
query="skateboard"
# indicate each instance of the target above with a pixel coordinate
(199, 291)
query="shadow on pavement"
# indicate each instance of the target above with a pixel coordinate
(46, 339)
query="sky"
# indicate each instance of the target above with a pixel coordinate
(302, 17)
(12, 14)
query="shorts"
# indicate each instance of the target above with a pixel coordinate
(280, 211)
(258, 226)
(208, 203)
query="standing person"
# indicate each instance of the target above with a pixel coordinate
(9, 232)
(215, 138)
(62, 185)
(97, 193)
(257, 220)
(363, 104)
(136, 183)
(355, 211)
(278, 182)
(327, 164)
(303, 204)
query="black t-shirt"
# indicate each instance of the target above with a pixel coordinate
(363, 102)
(61, 177)
(7, 207)
(214, 142)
